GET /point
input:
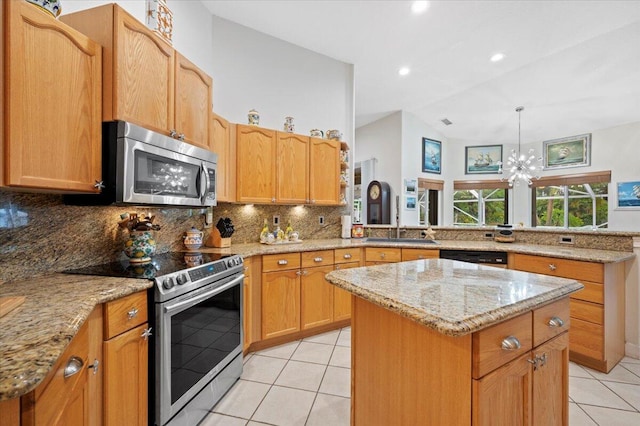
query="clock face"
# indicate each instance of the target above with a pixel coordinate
(374, 192)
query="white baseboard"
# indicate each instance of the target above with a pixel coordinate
(632, 351)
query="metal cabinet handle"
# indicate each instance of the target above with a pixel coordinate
(283, 262)
(74, 365)
(173, 133)
(382, 255)
(94, 366)
(273, 200)
(533, 361)
(511, 343)
(338, 267)
(420, 256)
(99, 184)
(298, 273)
(555, 322)
(552, 267)
(181, 136)
(347, 256)
(317, 259)
(146, 333)
(132, 313)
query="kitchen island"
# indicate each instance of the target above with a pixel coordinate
(445, 342)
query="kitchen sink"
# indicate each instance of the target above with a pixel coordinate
(400, 240)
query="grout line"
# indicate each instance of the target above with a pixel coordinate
(632, 410)
(587, 414)
(616, 394)
(623, 366)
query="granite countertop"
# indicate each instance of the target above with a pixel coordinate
(451, 297)
(589, 255)
(34, 335)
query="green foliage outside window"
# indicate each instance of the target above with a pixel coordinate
(480, 207)
(582, 201)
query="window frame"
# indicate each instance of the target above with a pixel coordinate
(482, 185)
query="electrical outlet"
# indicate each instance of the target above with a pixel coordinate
(566, 239)
(488, 235)
(276, 220)
(321, 220)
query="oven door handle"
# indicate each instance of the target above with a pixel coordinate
(199, 298)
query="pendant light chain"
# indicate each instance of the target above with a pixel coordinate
(521, 167)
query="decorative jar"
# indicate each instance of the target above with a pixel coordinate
(51, 6)
(140, 246)
(193, 238)
(254, 117)
(289, 127)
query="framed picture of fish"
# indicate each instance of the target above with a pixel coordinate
(629, 195)
(482, 159)
(574, 151)
(431, 156)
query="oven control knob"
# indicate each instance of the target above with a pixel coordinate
(182, 279)
(168, 283)
(237, 260)
(230, 263)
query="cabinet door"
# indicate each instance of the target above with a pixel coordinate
(246, 315)
(256, 157)
(342, 298)
(221, 144)
(143, 76)
(52, 132)
(551, 382)
(292, 160)
(316, 297)
(324, 172)
(504, 394)
(125, 380)
(280, 303)
(193, 92)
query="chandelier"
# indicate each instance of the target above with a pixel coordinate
(521, 167)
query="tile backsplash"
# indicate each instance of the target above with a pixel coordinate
(40, 234)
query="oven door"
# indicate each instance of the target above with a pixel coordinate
(199, 334)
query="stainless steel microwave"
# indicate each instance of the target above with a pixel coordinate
(147, 168)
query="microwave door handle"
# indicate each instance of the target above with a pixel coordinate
(204, 296)
(207, 184)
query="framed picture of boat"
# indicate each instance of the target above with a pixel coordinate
(573, 151)
(431, 156)
(629, 195)
(482, 159)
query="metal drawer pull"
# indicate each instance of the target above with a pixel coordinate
(347, 256)
(382, 255)
(511, 343)
(146, 333)
(555, 322)
(73, 366)
(552, 267)
(317, 259)
(283, 262)
(95, 365)
(132, 313)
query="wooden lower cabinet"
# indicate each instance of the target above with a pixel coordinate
(316, 297)
(280, 303)
(417, 254)
(378, 255)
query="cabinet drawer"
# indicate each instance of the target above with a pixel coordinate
(280, 262)
(576, 269)
(417, 254)
(347, 255)
(488, 352)
(124, 314)
(382, 254)
(550, 320)
(592, 292)
(349, 265)
(587, 311)
(587, 339)
(317, 258)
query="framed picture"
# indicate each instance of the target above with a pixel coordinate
(574, 151)
(410, 203)
(431, 156)
(629, 195)
(482, 159)
(410, 186)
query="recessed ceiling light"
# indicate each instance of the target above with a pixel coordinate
(497, 57)
(419, 6)
(404, 71)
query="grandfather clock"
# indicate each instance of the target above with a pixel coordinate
(378, 203)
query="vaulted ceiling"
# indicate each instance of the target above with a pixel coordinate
(573, 65)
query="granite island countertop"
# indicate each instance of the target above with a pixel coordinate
(451, 297)
(34, 335)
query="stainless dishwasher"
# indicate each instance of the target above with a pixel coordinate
(490, 258)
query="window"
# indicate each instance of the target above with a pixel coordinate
(480, 203)
(571, 201)
(428, 194)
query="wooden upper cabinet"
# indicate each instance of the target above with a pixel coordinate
(51, 124)
(222, 144)
(292, 159)
(324, 171)
(256, 160)
(193, 102)
(146, 81)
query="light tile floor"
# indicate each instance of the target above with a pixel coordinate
(307, 382)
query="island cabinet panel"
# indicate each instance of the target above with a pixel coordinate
(316, 297)
(342, 298)
(10, 410)
(324, 171)
(550, 393)
(51, 113)
(597, 311)
(404, 373)
(255, 167)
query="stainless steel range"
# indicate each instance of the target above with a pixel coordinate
(196, 349)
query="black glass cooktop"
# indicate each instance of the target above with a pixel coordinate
(161, 264)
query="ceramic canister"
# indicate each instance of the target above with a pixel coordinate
(140, 246)
(51, 6)
(193, 238)
(254, 117)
